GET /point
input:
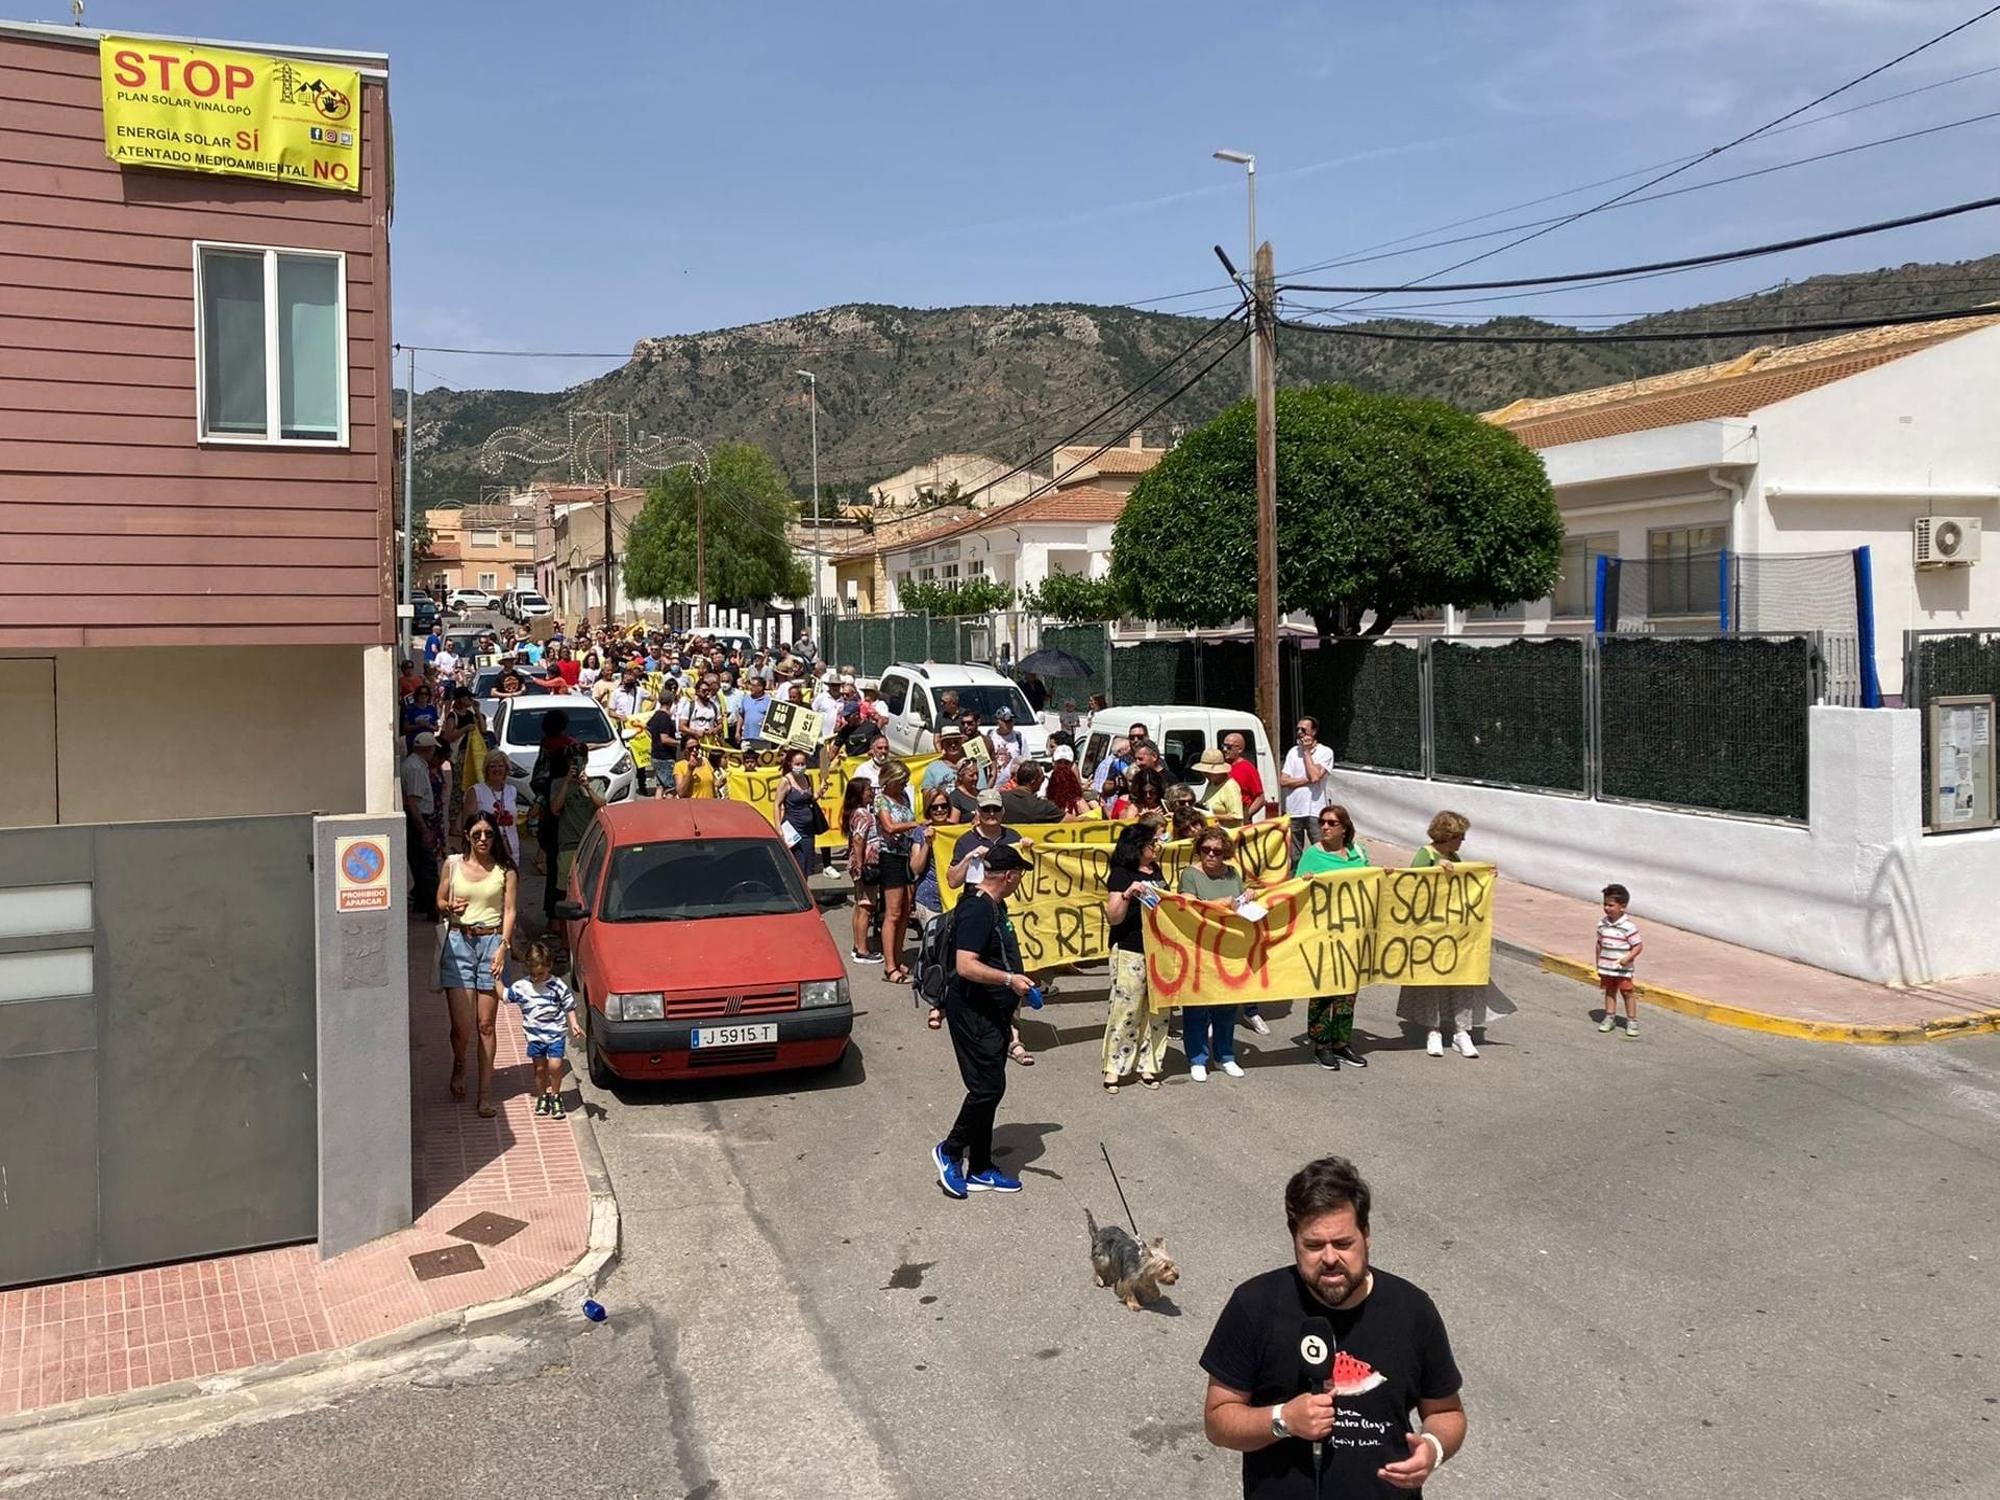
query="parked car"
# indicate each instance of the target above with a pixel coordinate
(912, 693)
(423, 611)
(523, 605)
(695, 947)
(517, 730)
(464, 600)
(1183, 733)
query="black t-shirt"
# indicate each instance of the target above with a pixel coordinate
(1130, 933)
(1028, 807)
(661, 727)
(983, 929)
(1395, 1339)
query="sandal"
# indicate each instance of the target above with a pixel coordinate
(1149, 1080)
(1110, 1085)
(897, 976)
(936, 1019)
(488, 1109)
(1021, 1055)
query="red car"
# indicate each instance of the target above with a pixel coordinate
(696, 948)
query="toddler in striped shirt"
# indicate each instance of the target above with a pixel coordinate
(1618, 948)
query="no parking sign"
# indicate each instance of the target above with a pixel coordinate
(360, 874)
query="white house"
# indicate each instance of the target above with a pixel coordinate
(1801, 453)
(1064, 531)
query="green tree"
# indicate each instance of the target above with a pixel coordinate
(967, 596)
(745, 505)
(1072, 599)
(1385, 504)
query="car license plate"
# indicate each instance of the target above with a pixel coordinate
(734, 1036)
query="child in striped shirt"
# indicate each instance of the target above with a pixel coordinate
(546, 1004)
(1618, 948)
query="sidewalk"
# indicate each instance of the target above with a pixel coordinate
(1717, 981)
(101, 1339)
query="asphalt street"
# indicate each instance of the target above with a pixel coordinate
(1698, 1264)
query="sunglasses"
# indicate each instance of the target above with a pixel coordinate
(480, 833)
(1329, 822)
(1213, 852)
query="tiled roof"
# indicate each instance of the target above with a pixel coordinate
(1110, 461)
(1733, 388)
(1080, 505)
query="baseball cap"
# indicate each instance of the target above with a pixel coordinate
(988, 798)
(1062, 752)
(424, 741)
(1002, 858)
(1005, 713)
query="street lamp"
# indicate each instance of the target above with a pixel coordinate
(812, 382)
(1248, 161)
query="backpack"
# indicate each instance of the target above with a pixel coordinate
(936, 968)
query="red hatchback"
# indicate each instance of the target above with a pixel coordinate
(696, 948)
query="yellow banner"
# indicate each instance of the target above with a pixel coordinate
(1058, 909)
(193, 108)
(1324, 935)
(760, 786)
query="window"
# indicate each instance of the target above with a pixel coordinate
(524, 539)
(590, 862)
(1575, 597)
(951, 572)
(1515, 611)
(673, 882)
(524, 578)
(976, 568)
(482, 538)
(1180, 749)
(271, 345)
(1684, 570)
(489, 581)
(894, 689)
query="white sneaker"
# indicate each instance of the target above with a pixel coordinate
(1463, 1042)
(1198, 1073)
(1259, 1025)
(1435, 1044)
(1232, 1069)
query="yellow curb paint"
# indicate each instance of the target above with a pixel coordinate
(1940, 1029)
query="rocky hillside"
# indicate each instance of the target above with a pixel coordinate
(898, 385)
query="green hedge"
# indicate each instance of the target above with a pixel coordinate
(1368, 700)
(1512, 712)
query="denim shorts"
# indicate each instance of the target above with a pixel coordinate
(467, 961)
(545, 1049)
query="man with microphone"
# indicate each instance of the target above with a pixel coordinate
(1315, 1368)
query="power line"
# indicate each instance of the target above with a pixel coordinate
(1431, 311)
(1686, 263)
(1647, 336)
(1356, 257)
(1714, 151)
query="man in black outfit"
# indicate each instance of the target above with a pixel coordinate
(986, 985)
(1389, 1354)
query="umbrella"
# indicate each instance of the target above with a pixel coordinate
(1049, 662)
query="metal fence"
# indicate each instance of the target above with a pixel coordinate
(1512, 712)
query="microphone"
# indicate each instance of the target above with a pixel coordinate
(1316, 1360)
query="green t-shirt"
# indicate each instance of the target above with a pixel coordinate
(1427, 856)
(1318, 859)
(1225, 887)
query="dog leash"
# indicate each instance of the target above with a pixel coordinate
(1121, 1188)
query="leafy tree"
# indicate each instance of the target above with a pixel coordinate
(1072, 599)
(745, 505)
(962, 596)
(1385, 504)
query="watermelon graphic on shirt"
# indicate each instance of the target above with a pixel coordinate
(1353, 1377)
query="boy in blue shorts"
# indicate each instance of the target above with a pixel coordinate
(546, 1002)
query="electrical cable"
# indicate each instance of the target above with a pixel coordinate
(1644, 336)
(1432, 311)
(1686, 263)
(1712, 152)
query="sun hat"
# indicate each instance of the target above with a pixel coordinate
(1212, 763)
(424, 741)
(991, 798)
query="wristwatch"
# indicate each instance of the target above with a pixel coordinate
(1278, 1427)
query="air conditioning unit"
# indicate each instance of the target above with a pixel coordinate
(1946, 541)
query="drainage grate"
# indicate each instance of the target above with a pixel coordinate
(488, 1229)
(455, 1260)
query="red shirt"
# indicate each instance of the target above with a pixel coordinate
(1244, 774)
(570, 671)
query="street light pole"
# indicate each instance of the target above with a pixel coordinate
(1248, 161)
(812, 382)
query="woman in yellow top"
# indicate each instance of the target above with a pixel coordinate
(695, 772)
(476, 894)
(1223, 798)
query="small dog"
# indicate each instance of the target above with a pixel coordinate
(1135, 1271)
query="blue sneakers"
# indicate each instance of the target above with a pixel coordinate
(992, 1180)
(951, 1176)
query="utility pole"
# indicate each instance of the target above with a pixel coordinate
(812, 381)
(700, 556)
(609, 477)
(409, 620)
(1265, 346)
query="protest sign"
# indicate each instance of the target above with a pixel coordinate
(791, 725)
(1325, 935)
(759, 785)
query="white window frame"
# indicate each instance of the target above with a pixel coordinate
(489, 582)
(273, 417)
(483, 536)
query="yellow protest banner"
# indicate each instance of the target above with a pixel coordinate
(1058, 908)
(1324, 935)
(189, 107)
(760, 786)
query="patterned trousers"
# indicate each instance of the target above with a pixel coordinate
(1330, 1020)
(1135, 1035)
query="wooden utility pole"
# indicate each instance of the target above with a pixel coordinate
(610, 474)
(1265, 315)
(700, 558)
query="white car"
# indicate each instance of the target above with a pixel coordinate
(912, 692)
(1183, 732)
(529, 605)
(464, 599)
(517, 728)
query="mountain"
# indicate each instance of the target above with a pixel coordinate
(899, 385)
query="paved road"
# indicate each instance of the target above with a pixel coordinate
(1704, 1263)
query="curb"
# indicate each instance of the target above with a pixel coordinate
(252, 1384)
(1941, 1028)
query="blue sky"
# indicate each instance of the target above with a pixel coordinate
(577, 177)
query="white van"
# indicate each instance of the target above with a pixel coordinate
(1183, 733)
(912, 691)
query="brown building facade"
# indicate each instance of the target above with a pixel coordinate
(195, 453)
